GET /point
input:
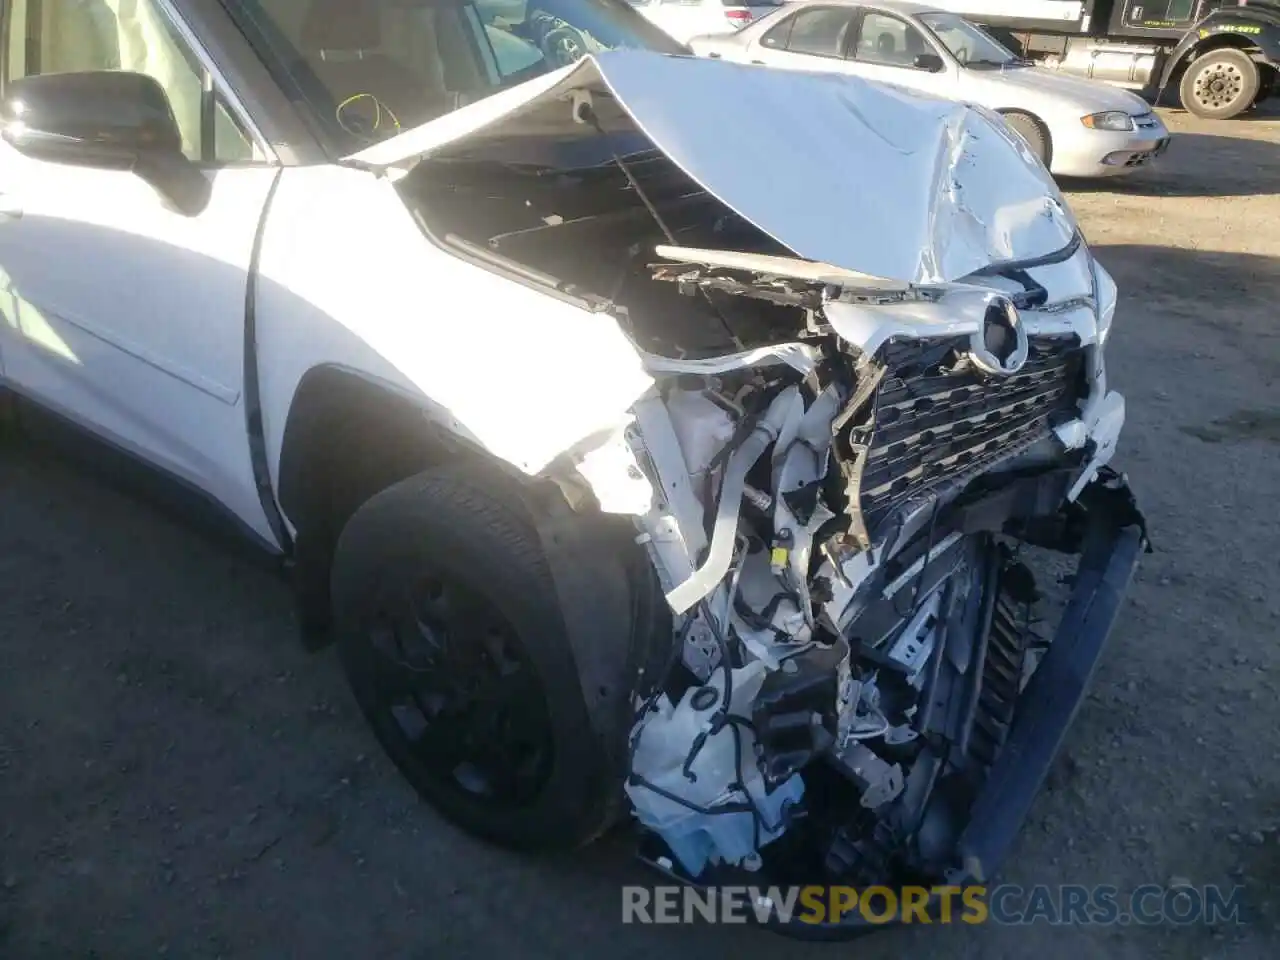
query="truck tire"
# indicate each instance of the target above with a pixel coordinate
(453, 641)
(1266, 86)
(1032, 132)
(1220, 84)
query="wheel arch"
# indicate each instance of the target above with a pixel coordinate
(346, 437)
(1040, 122)
(1192, 47)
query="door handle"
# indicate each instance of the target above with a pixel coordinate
(9, 209)
(758, 62)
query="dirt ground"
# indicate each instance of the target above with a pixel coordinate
(177, 777)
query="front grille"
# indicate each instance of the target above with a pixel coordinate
(935, 419)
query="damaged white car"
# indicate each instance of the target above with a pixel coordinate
(656, 436)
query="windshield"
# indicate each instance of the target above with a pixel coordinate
(368, 69)
(967, 43)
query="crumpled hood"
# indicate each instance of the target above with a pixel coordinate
(838, 169)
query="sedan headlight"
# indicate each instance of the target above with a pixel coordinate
(1116, 120)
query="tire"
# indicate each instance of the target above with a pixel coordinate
(1266, 87)
(564, 46)
(1033, 134)
(454, 644)
(1220, 84)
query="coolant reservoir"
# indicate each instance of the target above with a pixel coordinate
(668, 735)
(702, 429)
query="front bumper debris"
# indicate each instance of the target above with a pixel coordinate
(1108, 531)
(1112, 539)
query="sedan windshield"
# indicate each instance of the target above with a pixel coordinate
(368, 69)
(969, 44)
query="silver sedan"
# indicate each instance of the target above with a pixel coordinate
(1076, 127)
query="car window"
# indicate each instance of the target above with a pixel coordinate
(84, 35)
(820, 31)
(889, 40)
(368, 69)
(966, 42)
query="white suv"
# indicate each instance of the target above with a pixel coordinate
(652, 434)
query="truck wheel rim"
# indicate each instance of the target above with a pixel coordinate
(1219, 85)
(453, 683)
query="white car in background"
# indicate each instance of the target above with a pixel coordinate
(1075, 127)
(686, 19)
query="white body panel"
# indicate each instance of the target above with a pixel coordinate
(355, 283)
(128, 317)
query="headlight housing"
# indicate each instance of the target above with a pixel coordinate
(1116, 120)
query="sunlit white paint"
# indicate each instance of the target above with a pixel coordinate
(1104, 426)
(354, 282)
(616, 478)
(127, 317)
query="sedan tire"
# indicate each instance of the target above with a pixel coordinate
(1032, 132)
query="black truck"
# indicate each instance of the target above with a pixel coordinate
(1222, 56)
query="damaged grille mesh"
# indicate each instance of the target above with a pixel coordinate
(933, 425)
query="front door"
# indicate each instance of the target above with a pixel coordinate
(886, 48)
(813, 38)
(117, 311)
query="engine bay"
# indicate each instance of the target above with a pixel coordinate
(833, 501)
(592, 232)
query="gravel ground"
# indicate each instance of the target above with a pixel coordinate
(178, 777)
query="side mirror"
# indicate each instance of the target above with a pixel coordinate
(109, 120)
(928, 61)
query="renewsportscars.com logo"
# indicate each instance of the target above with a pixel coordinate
(1177, 903)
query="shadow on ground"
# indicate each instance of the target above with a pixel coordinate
(1180, 272)
(1198, 165)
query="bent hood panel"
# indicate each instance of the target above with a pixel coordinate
(838, 169)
